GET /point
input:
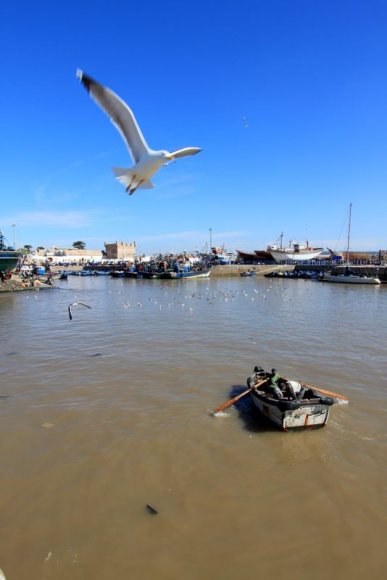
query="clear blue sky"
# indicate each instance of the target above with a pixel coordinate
(287, 99)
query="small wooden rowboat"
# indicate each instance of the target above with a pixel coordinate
(301, 406)
(248, 273)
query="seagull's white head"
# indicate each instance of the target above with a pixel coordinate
(166, 156)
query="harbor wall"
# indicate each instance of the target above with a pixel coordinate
(262, 269)
(238, 269)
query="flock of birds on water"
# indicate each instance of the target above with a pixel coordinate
(179, 298)
(175, 298)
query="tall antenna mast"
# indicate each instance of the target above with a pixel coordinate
(349, 231)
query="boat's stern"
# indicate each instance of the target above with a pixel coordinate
(306, 417)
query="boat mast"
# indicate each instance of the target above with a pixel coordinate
(349, 231)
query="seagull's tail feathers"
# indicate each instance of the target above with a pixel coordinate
(129, 179)
(145, 185)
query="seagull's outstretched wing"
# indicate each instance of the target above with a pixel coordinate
(184, 152)
(70, 307)
(119, 113)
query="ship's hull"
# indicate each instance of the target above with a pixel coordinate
(288, 403)
(352, 279)
(295, 256)
(8, 260)
(256, 256)
(289, 415)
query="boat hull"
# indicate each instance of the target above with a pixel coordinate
(342, 279)
(292, 415)
(247, 274)
(292, 255)
(256, 256)
(172, 275)
(8, 260)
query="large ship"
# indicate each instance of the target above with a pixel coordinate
(9, 258)
(295, 252)
(254, 257)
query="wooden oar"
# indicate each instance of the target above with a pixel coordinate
(235, 399)
(340, 399)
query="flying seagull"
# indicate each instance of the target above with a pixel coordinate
(147, 161)
(71, 306)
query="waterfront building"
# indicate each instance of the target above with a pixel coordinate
(121, 251)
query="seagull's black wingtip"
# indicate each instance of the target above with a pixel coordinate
(84, 79)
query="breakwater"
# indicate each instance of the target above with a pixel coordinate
(262, 269)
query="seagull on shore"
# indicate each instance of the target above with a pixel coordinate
(71, 306)
(147, 161)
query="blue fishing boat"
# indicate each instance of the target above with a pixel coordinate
(183, 274)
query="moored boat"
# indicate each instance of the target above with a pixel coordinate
(117, 273)
(349, 277)
(184, 274)
(9, 258)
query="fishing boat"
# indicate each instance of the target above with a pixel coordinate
(292, 405)
(248, 273)
(117, 273)
(184, 274)
(295, 252)
(293, 275)
(9, 258)
(349, 276)
(254, 257)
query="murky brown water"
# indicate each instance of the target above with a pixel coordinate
(107, 413)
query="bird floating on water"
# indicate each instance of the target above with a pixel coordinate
(147, 161)
(151, 509)
(71, 306)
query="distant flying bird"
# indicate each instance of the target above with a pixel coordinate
(71, 306)
(147, 161)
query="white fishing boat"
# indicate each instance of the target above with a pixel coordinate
(349, 276)
(295, 252)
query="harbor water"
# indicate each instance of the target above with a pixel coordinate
(108, 412)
